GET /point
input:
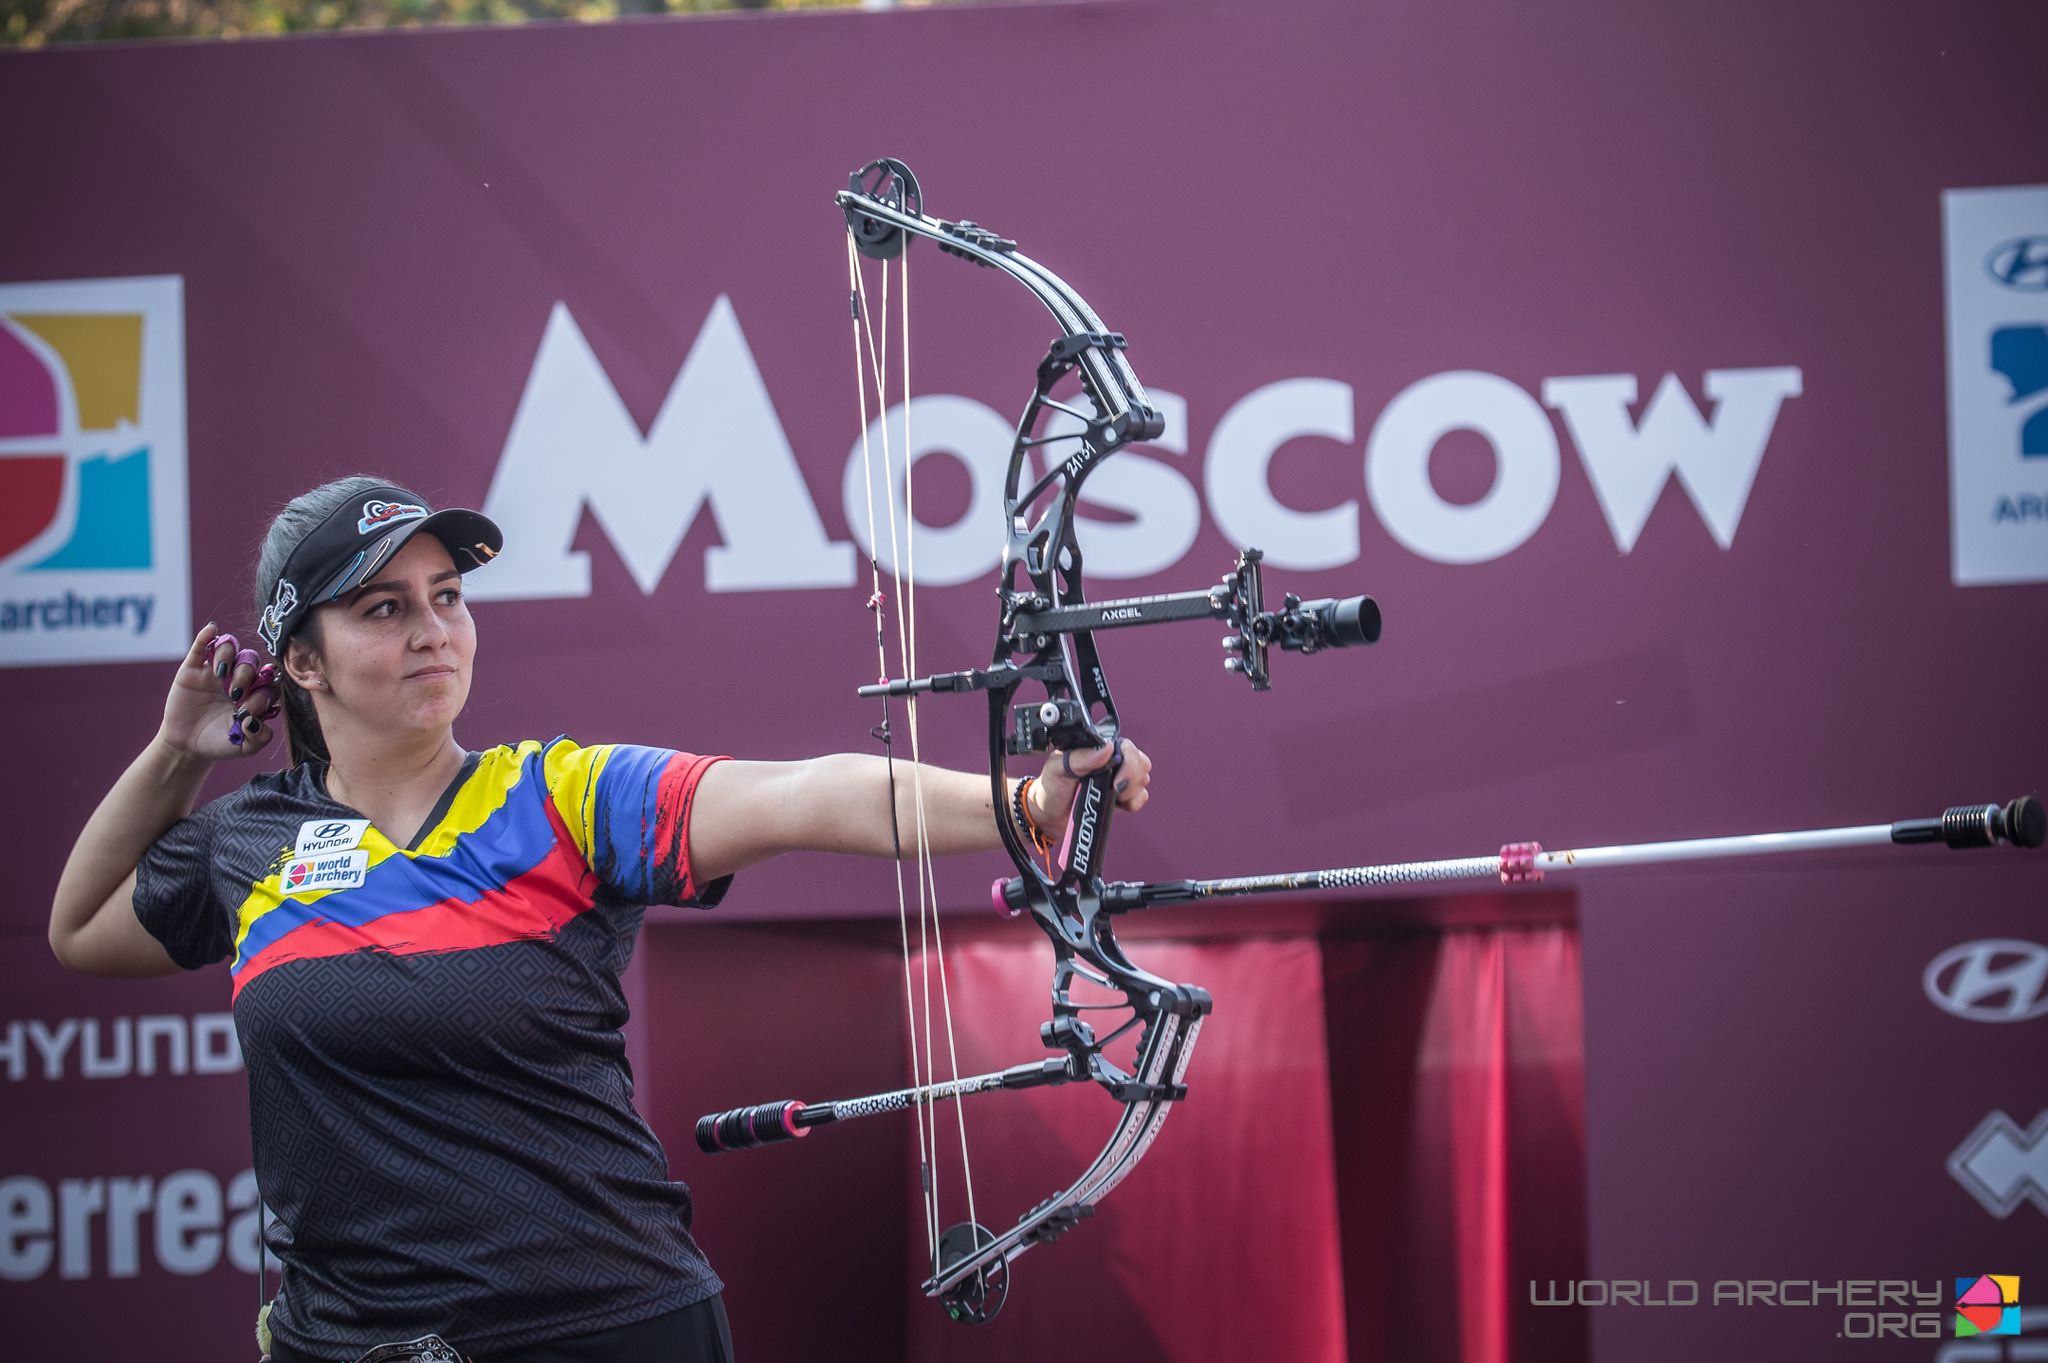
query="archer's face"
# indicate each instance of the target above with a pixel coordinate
(396, 653)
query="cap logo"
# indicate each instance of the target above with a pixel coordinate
(378, 514)
(348, 574)
(282, 604)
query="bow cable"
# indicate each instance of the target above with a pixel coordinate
(931, 890)
(883, 733)
(926, 1089)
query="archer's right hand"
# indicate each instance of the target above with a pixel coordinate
(222, 704)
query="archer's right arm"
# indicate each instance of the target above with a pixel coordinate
(93, 927)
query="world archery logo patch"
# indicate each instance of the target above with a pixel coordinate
(1988, 1304)
(338, 871)
(377, 515)
(93, 562)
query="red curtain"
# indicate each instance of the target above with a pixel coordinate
(1223, 1244)
(1383, 1141)
(1457, 1092)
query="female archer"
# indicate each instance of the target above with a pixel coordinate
(425, 945)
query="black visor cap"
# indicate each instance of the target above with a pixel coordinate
(355, 541)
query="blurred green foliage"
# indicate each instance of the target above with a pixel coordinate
(34, 23)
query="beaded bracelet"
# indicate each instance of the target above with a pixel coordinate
(1024, 820)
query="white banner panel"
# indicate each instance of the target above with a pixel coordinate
(1996, 246)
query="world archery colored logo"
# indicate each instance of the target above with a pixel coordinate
(63, 380)
(296, 875)
(1988, 1305)
(92, 472)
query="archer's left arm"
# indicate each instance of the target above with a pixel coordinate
(746, 812)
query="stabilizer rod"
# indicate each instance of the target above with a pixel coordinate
(2018, 823)
(744, 1128)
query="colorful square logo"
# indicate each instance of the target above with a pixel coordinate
(1988, 1305)
(93, 534)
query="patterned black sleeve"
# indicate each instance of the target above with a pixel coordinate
(174, 895)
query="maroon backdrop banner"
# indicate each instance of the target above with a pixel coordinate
(1672, 377)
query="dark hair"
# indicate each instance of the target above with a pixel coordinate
(303, 739)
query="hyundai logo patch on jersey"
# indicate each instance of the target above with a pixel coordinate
(320, 836)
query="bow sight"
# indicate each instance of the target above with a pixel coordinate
(1239, 601)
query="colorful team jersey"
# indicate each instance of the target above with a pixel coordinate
(441, 1107)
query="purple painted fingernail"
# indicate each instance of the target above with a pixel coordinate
(235, 693)
(255, 725)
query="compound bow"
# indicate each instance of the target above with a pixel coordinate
(1045, 638)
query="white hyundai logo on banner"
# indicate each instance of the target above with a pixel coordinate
(2000, 979)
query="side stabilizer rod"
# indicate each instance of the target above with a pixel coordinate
(744, 1128)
